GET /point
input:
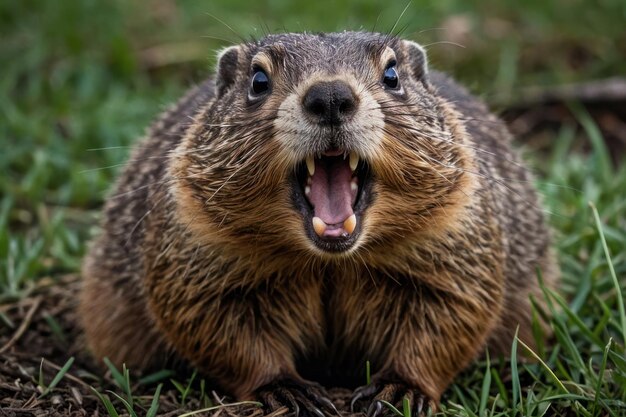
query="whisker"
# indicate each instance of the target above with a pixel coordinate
(108, 148)
(444, 43)
(438, 137)
(237, 34)
(86, 171)
(430, 29)
(468, 146)
(513, 162)
(400, 17)
(421, 155)
(230, 42)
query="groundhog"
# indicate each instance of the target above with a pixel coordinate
(324, 201)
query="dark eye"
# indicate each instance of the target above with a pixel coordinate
(390, 77)
(260, 83)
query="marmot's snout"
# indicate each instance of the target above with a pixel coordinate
(330, 102)
(331, 184)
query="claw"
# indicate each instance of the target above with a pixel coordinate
(292, 401)
(302, 398)
(355, 398)
(374, 409)
(362, 392)
(379, 392)
(328, 404)
(270, 402)
(419, 406)
(296, 410)
(317, 412)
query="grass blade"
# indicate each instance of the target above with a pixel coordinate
(406, 407)
(516, 388)
(545, 366)
(620, 300)
(600, 151)
(128, 406)
(57, 378)
(601, 376)
(108, 405)
(117, 376)
(392, 408)
(154, 406)
(486, 386)
(127, 389)
(155, 377)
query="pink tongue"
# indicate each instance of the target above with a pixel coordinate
(330, 195)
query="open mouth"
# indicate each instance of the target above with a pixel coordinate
(331, 190)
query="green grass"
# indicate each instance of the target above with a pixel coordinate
(80, 81)
(46, 389)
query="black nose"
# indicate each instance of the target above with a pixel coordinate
(330, 102)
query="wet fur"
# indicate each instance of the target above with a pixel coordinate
(203, 257)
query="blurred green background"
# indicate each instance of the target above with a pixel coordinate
(80, 81)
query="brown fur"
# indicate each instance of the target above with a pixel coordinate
(203, 255)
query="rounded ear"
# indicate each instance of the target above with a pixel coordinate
(226, 70)
(415, 54)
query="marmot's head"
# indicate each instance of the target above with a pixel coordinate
(322, 143)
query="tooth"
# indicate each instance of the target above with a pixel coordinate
(310, 165)
(307, 190)
(353, 186)
(350, 224)
(319, 226)
(354, 160)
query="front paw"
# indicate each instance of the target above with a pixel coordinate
(377, 396)
(304, 399)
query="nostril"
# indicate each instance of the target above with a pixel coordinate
(317, 107)
(346, 106)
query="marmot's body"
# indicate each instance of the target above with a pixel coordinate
(324, 202)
